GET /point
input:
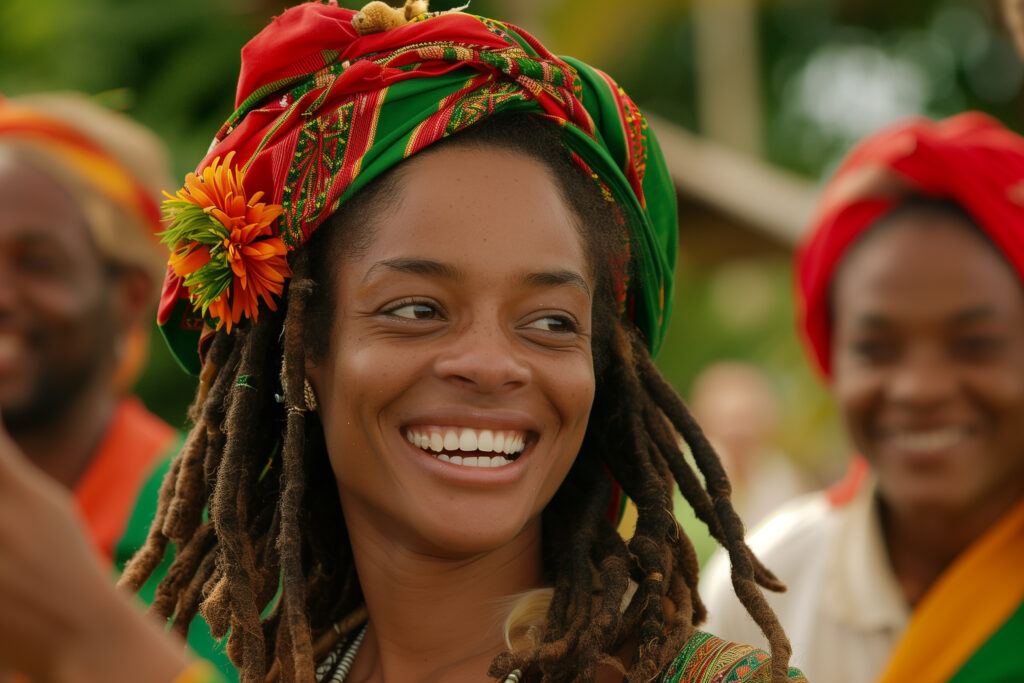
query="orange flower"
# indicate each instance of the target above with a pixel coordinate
(224, 246)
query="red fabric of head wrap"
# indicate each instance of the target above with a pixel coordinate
(969, 158)
(322, 110)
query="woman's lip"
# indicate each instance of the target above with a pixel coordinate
(925, 443)
(505, 420)
(895, 431)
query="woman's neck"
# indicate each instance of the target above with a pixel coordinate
(922, 544)
(433, 618)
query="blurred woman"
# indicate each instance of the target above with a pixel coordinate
(912, 304)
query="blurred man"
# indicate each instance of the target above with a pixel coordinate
(739, 412)
(79, 270)
(912, 304)
(80, 267)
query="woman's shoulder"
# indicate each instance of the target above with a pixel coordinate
(706, 658)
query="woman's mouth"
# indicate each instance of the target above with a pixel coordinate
(926, 441)
(469, 447)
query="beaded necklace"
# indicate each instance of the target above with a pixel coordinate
(339, 661)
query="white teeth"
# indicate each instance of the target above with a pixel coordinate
(444, 440)
(925, 442)
(467, 440)
(451, 441)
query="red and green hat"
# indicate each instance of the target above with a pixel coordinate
(326, 103)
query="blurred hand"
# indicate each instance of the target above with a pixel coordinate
(62, 620)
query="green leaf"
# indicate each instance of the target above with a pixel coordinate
(190, 223)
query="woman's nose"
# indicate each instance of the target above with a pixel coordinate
(484, 357)
(924, 377)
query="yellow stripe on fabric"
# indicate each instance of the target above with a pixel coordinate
(103, 173)
(968, 603)
(200, 671)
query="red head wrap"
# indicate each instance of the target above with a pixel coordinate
(970, 158)
(322, 109)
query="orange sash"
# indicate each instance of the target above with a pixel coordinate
(106, 493)
(970, 601)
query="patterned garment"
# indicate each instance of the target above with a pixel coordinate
(323, 110)
(707, 659)
(135, 445)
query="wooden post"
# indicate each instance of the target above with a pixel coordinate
(728, 82)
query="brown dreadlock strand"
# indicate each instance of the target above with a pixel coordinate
(294, 638)
(152, 552)
(746, 571)
(229, 511)
(260, 466)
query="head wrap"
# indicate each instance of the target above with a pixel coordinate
(969, 158)
(113, 167)
(322, 110)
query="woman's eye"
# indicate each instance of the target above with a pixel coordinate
(414, 311)
(976, 347)
(553, 323)
(874, 351)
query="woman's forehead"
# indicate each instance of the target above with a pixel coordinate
(924, 263)
(461, 203)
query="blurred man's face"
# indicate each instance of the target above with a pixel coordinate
(56, 331)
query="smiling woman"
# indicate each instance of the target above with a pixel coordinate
(910, 284)
(422, 272)
(467, 316)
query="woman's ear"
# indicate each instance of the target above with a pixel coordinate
(314, 373)
(317, 375)
(309, 394)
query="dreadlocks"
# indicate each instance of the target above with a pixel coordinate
(256, 460)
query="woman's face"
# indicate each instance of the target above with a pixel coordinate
(928, 363)
(459, 377)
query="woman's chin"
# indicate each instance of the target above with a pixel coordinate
(461, 536)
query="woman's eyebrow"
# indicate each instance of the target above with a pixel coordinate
(438, 269)
(556, 278)
(973, 315)
(416, 266)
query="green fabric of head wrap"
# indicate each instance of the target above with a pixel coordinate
(323, 110)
